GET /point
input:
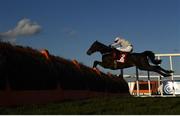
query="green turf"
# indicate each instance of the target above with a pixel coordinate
(107, 105)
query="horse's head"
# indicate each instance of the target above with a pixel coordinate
(93, 48)
(98, 47)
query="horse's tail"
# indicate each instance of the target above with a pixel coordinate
(151, 56)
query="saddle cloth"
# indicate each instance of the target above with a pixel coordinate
(120, 56)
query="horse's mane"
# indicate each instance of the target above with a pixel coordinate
(101, 43)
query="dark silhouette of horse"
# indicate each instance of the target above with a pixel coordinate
(140, 60)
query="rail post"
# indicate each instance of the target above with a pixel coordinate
(172, 77)
(137, 81)
(160, 83)
(149, 83)
(122, 73)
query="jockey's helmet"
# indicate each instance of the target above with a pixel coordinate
(118, 40)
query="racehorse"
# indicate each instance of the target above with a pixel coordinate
(140, 60)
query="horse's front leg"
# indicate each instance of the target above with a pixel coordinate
(96, 63)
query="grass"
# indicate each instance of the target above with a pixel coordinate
(103, 106)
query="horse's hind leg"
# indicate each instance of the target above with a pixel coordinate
(166, 71)
(155, 69)
(161, 70)
(162, 73)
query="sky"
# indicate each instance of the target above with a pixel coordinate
(67, 28)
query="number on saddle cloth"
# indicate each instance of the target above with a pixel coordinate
(120, 56)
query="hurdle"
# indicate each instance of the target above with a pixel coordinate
(76, 63)
(137, 82)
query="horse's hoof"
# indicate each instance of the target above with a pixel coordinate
(88, 53)
(159, 61)
(94, 68)
(97, 70)
(171, 71)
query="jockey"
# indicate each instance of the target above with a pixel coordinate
(122, 45)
